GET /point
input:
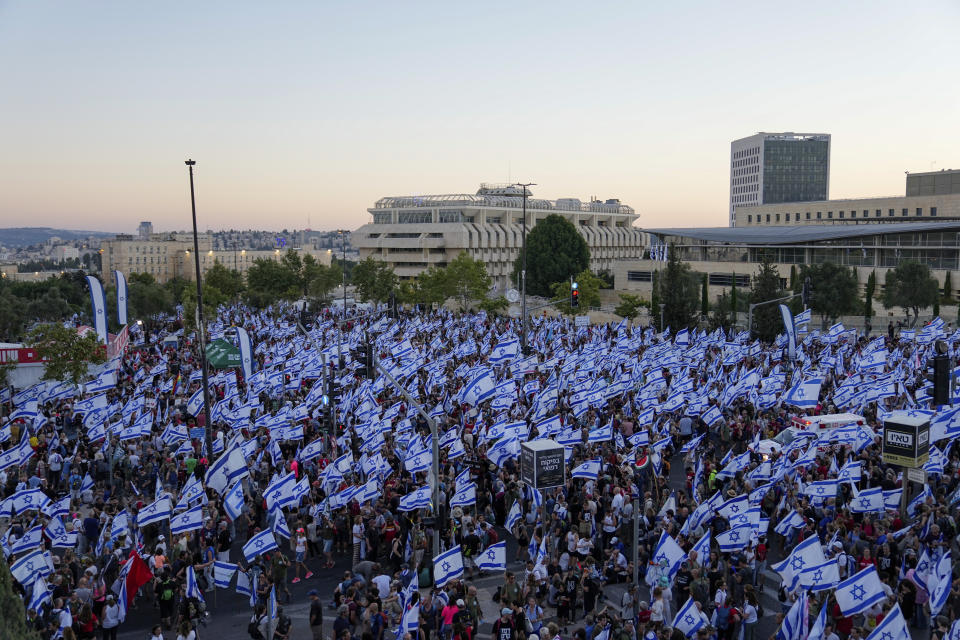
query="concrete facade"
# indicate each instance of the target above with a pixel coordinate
(852, 211)
(414, 233)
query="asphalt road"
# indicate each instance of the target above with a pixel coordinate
(230, 612)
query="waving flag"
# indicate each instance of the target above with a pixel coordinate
(893, 626)
(859, 592)
(157, 511)
(27, 568)
(193, 589)
(233, 502)
(223, 573)
(190, 520)
(447, 566)
(805, 394)
(668, 556)
(868, 501)
(940, 581)
(418, 499)
(465, 496)
(228, 467)
(807, 554)
(480, 388)
(258, 544)
(688, 619)
(98, 302)
(794, 626)
(589, 470)
(493, 558)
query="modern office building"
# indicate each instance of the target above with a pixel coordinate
(928, 195)
(168, 256)
(773, 168)
(413, 233)
(726, 254)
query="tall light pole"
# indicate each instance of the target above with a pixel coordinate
(523, 269)
(208, 428)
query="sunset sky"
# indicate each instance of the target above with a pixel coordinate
(297, 109)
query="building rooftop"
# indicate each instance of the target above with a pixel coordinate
(503, 196)
(777, 235)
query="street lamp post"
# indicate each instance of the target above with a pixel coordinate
(523, 269)
(208, 428)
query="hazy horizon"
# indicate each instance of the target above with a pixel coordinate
(300, 111)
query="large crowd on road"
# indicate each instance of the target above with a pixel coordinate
(695, 460)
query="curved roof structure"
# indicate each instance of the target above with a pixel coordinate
(800, 233)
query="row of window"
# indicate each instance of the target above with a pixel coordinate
(878, 213)
(714, 279)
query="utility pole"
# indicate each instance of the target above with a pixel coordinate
(523, 270)
(343, 272)
(201, 331)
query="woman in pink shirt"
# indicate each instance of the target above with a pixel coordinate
(446, 618)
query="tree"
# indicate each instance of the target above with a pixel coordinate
(655, 300)
(679, 291)
(630, 305)
(936, 306)
(66, 354)
(793, 277)
(494, 305)
(767, 320)
(947, 288)
(720, 319)
(466, 279)
(734, 301)
(910, 286)
(12, 609)
(229, 282)
(325, 280)
(869, 290)
(835, 290)
(555, 252)
(268, 281)
(373, 279)
(589, 287)
(146, 299)
(704, 297)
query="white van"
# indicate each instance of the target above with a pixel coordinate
(808, 426)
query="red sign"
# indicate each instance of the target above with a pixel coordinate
(19, 356)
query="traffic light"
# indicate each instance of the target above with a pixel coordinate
(940, 392)
(806, 291)
(574, 295)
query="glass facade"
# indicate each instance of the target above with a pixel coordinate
(795, 170)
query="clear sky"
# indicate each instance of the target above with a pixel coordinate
(297, 109)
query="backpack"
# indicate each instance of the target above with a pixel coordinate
(167, 591)
(76, 483)
(253, 629)
(723, 618)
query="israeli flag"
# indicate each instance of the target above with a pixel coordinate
(894, 627)
(795, 623)
(223, 573)
(465, 496)
(821, 577)
(821, 489)
(712, 415)
(702, 547)
(802, 318)
(258, 544)
(246, 353)
(27, 568)
(158, 511)
(190, 520)
(195, 403)
(479, 388)
(807, 554)
(734, 539)
(939, 582)
(869, 501)
(859, 592)
(228, 467)
(668, 555)
(244, 587)
(193, 589)
(493, 558)
(447, 566)
(233, 501)
(589, 470)
(514, 516)
(59, 508)
(98, 303)
(420, 498)
(121, 297)
(805, 394)
(688, 619)
(41, 594)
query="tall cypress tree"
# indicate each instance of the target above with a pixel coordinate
(704, 298)
(12, 610)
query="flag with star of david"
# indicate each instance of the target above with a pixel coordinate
(820, 577)
(258, 544)
(859, 592)
(893, 627)
(668, 556)
(447, 566)
(688, 619)
(493, 558)
(807, 554)
(734, 539)
(805, 394)
(868, 501)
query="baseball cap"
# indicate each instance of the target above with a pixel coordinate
(312, 592)
(460, 603)
(505, 611)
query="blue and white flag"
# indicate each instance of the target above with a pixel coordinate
(157, 511)
(805, 394)
(702, 547)
(121, 297)
(193, 589)
(27, 568)
(493, 558)
(233, 501)
(712, 416)
(258, 544)
(480, 388)
(734, 539)
(940, 581)
(244, 587)
(819, 625)
(223, 573)
(868, 501)
(668, 555)
(795, 623)
(98, 303)
(41, 595)
(893, 626)
(447, 566)
(859, 592)
(807, 554)
(465, 496)
(589, 470)
(246, 353)
(228, 467)
(688, 619)
(190, 520)
(418, 499)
